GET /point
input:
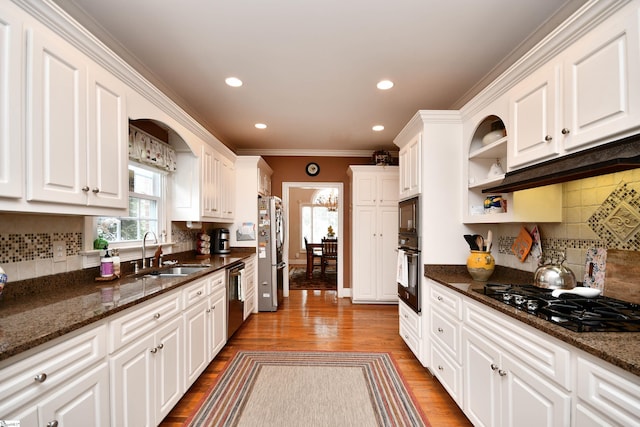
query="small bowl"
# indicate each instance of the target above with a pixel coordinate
(493, 136)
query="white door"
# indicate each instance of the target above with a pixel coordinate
(108, 177)
(364, 253)
(388, 243)
(169, 369)
(56, 120)
(481, 384)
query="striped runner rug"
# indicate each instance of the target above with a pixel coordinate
(311, 389)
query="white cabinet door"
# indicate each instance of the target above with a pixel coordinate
(195, 332)
(481, 384)
(82, 402)
(365, 190)
(207, 186)
(386, 261)
(217, 323)
(534, 105)
(11, 142)
(409, 159)
(108, 155)
(169, 369)
(388, 190)
(365, 251)
(601, 83)
(227, 189)
(56, 120)
(133, 383)
(529, 400)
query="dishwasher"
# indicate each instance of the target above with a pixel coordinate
(235, 298)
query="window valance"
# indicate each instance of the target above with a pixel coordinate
(148, 150)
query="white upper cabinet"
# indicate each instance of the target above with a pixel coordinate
(533, 117)
(76, 121)
(602, 82)
(586, 96)
(409, 157)
(11, 162)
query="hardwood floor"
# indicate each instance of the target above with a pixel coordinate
(318, 320)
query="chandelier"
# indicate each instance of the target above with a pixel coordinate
(329, 201)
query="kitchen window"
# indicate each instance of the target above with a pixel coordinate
(146, 209)
(318, 216)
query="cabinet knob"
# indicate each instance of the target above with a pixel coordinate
(565, 131)
(160, 346)
(40, 377)
(154, 350)
(199, 293)
(208, 310)
(494, 367)
(96, 190)
(85, 188)
(156, 316)
(439, 298)
(53, 423)
(502, 373)
(440, 368)
(440, 330)
(548, 138)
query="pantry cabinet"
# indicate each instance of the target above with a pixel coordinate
(587, 95)
(76, 116)
(374, 233)
(11, 156)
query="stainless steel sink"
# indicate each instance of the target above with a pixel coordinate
(180, 271)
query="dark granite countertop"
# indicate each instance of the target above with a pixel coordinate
(60, 304)
(621, 349)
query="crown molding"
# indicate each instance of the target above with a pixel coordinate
(305, 153)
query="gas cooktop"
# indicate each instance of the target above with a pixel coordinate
(574, 312)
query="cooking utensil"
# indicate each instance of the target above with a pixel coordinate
(471, 240)
(583, 292)
(489, 240)
(479, 242)
(554, 276)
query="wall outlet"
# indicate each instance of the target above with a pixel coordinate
(59, 251)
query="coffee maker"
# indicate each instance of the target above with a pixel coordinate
(220, 241)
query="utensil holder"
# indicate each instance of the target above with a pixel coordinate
(480, 265)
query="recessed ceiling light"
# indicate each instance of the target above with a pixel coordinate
(378, 128)
(233, 81)
(384, 84)
(260, 126)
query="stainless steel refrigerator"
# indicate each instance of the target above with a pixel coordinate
(270, 262)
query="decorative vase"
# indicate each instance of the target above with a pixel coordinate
(480, 265)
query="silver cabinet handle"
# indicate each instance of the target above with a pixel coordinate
(154, 350)
(548, 138)
(440, 368)
(156, 316)
(494, 367)
(40, 377)
(53, 423)
(440, 330)
(439, 298)
(85, 188)
(502, 373)
(208, 310)
(565, 131)
(199, 293)
(160, 346)
(96, 190)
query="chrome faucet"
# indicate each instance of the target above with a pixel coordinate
(144, 247)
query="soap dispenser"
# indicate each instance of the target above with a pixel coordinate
(106, 265)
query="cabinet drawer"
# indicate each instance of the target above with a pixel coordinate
(139, 321)
(52, 367)
(445, 300)
(216, 281)
(616, 397)
(194, 292)
(535, 348)
(410, 319)
(448, 372)
(412, 341)
(447, 333)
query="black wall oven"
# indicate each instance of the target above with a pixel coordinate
(409, 253)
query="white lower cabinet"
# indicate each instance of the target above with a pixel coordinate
(196, 319)
(147, 376)
(411, 329)
(67, 384)
(249, 285)
(606, 396)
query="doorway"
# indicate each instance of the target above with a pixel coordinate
(290, 204)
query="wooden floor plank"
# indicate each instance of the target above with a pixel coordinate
(319, 321)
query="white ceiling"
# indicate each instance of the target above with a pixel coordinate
(310, 66)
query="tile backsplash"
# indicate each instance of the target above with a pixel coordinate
(598, 212)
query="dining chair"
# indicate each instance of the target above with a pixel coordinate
(313, 253)
(329, 253)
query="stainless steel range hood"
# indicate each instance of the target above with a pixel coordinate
(613, 157)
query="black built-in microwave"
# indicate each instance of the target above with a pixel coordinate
(408, 217)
